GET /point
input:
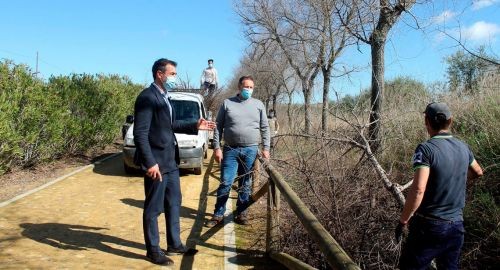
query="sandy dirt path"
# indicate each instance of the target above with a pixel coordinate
(92, 220)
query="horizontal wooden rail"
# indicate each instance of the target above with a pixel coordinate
(290, 262)
(336, 257)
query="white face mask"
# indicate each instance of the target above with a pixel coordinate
(210, 65)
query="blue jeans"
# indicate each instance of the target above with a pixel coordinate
(432, 238)
(235, 160)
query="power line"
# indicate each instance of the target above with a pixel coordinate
(38, 60)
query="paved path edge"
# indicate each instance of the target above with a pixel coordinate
(20, 196)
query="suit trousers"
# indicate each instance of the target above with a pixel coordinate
(164, 196)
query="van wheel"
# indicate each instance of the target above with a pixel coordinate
(129, 170)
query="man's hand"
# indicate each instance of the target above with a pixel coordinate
(474, 171)
(154, 173)
(218, 155)
(400, 231)
(205, 124)
(265, 154)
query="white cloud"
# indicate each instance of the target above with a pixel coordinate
(481, 31)
(444, 16)
(479, 4)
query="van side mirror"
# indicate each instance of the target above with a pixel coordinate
(129, 119)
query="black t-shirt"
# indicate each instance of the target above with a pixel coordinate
(448, 159)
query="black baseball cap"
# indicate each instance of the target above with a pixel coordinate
(436, 108)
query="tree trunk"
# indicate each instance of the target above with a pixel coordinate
(387, 18)
(289, 111)
(274, 104)
(307, 106)
(377, 91)
(326, 99)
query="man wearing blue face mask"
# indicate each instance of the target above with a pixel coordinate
(157, 154)
(209, 79)
(242, 122)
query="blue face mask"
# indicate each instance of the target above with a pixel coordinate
(170, 83)
(246, 93)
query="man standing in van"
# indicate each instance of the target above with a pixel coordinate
(209, 80)
(436, 197)
(157, 153)
(242, 122)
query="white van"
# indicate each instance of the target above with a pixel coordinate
(192, 148)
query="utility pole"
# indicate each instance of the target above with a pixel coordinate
(36, 68)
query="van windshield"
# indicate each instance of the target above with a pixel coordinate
(186, 110)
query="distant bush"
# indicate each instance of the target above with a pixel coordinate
(68, 115)
(465, 71)
(400, 90)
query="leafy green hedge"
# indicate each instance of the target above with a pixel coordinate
(67, 115)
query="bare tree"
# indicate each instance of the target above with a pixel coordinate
(185, 83)
(371, 25)
(268, 68)
(286, 23)
(333, 40)
(289, 84)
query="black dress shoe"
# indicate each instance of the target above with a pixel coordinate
(159, 258)
(181, 251)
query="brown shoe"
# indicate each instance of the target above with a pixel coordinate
(213, 221)
(241, 219)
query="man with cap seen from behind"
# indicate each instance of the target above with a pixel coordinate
(434, 204)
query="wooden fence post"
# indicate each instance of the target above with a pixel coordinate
(256, 176)
(272, 232)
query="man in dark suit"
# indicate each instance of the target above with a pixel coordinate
(158, 155)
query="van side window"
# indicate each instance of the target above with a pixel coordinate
(203, 111)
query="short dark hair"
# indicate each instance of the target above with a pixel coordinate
(160, 65)
(439, 122)
(210, 60)
(271, 113)
(246, 77)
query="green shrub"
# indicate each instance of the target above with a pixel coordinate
(68, 115)
(96, 105)
(11, 87)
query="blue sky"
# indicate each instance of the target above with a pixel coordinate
(125, 37)
(419, 53)
(122, 37)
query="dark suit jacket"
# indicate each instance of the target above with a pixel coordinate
(154, 132)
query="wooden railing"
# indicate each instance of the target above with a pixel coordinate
(336, 257)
